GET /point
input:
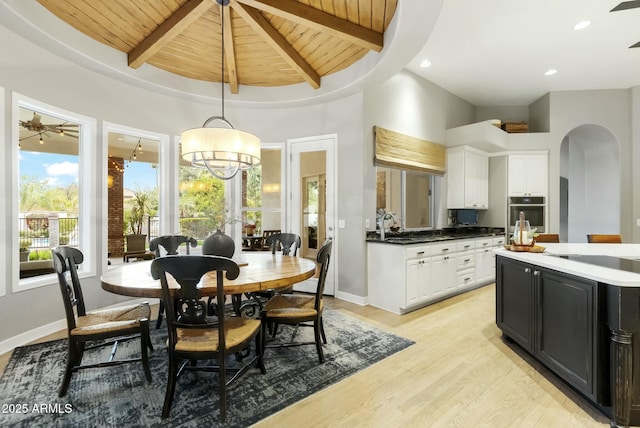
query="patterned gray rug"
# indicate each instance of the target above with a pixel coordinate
(120, 396)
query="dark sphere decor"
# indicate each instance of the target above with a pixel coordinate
(218, 244)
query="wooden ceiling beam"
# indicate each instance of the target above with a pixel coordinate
(170, 28)
(319, 20)
(263, 27)
(229, 53)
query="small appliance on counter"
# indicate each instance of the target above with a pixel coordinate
(464, 217)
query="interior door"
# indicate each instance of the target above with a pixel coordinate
(312, 210)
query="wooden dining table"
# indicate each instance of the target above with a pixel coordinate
(259, 271)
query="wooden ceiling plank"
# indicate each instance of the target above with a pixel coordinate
(390, 8)
(230, 53)
(377, 16)
(340, 9)
(364, 13)
(319, 20)
(260, 24)
(170, 28)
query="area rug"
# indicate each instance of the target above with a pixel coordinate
(120, 396)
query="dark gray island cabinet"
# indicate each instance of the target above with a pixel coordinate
(581, 321)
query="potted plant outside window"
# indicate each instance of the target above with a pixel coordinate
(140, 210)
(25, 243)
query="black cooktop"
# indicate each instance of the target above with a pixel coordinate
(608, 261)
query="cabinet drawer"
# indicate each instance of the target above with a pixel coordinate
(415, 252)
(437, 249)
(465, 245)
(499, 241)
(484, 243)
(466, 279)
(466, 260)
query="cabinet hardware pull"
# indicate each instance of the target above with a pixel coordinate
(445, 249)
(467, 246)
(420, 252)
(527, 270)
(467, 260)
(536, 272)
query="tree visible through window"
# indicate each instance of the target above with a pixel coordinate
(48, 192)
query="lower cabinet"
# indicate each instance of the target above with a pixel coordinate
(443, 276)
(514, 301)
(418, 278)
(554, 316)
(402, 278)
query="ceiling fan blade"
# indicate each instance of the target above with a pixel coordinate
(636, 45)
(625, 5)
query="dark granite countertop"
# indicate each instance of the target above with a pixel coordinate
(435, 235)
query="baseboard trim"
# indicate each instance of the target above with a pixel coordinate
(352, 298)
(27, 337)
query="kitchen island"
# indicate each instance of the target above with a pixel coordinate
(576, 309)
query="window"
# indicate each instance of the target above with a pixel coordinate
(53, 175)
(262, 194)
(202, 208)
(408, 194)
(132, 189)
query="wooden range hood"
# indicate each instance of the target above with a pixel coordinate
(396, 150)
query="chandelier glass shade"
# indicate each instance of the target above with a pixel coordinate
(222, 150)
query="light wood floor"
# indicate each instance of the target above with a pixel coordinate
(459, 373)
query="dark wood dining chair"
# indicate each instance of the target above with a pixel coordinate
(300, 310)
(288, 243)
(604, 239)
(548, 237)
(116, 324)
(195, 336)
(171, 244)
(265, 236)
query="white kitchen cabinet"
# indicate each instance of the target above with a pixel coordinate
(528, 175)
(443, 275)
(402, 278)
(485, 264)
(467, 179)
(418, 277)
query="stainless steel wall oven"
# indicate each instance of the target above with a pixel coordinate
(534, 209)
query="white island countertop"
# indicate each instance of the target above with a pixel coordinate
(585, 270)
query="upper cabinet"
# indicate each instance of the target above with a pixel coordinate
(528, 175)
(467, 179)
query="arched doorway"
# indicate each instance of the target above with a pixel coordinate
(589, 183)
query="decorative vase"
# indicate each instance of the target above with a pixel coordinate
(218, 244)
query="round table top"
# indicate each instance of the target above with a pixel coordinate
(259, 271)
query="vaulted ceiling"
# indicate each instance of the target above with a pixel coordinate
(266, 42)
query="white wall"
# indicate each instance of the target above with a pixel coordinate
(34, 72)
(413, 106)
(609, 109)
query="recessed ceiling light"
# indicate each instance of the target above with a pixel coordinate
(550, 72)
(582, 24)
(425, 63)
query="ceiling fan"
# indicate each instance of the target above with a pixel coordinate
(36, 125)
(626, 5)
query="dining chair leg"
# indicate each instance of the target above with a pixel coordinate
(160, 313)
(71, 362)
(222, 386)
(171, 387)
(316, 333)
(260, 350)
(324, 336)
(144, 339)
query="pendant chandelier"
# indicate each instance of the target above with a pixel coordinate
(222, 150)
